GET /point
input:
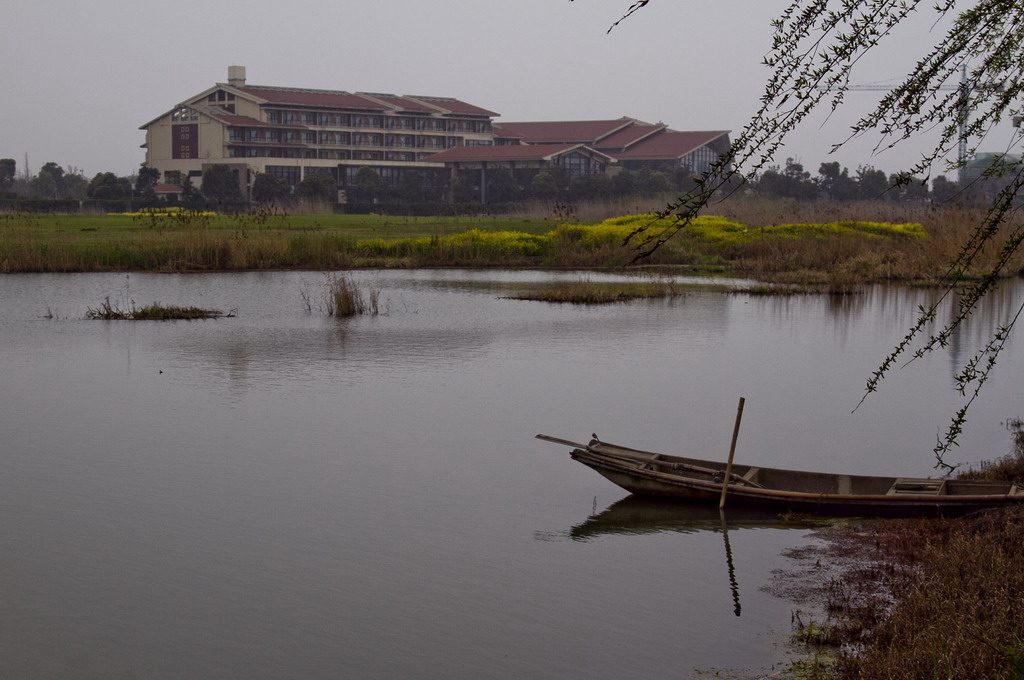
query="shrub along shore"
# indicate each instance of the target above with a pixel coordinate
(774, 241)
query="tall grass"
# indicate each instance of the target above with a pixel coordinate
(815, 244)
(338, 295)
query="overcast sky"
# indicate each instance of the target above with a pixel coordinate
(78, 79)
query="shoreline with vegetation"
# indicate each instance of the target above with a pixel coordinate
(830, 246)
(919, 598)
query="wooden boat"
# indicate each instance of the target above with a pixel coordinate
(646, 473)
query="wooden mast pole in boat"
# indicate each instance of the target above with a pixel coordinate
(732, 452)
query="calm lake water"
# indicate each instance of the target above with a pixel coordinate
(284, 494)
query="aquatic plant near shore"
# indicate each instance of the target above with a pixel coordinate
(340, 296)
(109, 311)
(595, 293)
(127, 311)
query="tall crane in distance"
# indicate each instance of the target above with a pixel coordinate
(963, 113)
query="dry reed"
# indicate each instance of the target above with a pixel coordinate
(933, 598)
(340, 296)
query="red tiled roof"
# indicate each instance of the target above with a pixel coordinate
(565, 131)
(401, 103)
(520, 152)
(167, 189)
(500, 132)
(452, 105)
(669, 145)
(627, 136)
(342, 100)
(364, 101)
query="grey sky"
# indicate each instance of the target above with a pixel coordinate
(80, 78)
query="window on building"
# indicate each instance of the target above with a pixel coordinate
(575, 164)
(183, 114)
(274, 117)
(288, 173)
(391, 176)
(699, 160)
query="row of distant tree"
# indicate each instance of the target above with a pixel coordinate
(53, 181)
(835, 183)
(219, 185)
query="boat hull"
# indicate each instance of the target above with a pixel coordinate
(694, 480)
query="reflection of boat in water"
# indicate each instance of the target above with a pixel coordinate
(634, 515)
(675, 477)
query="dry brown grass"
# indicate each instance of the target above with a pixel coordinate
(933, 598)
(959, 589)
(846, 261)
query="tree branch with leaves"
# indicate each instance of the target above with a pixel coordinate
(964, 85)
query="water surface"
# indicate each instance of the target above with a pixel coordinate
(284, 494)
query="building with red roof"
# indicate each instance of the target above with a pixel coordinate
(632, 144)
(292, 133)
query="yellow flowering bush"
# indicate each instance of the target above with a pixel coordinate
(499, 242)
(615, 230)
(845, 228)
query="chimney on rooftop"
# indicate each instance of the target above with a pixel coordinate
(236, 76)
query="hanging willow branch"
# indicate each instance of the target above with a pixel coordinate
(969, 81)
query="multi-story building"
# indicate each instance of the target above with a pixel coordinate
(292, 132)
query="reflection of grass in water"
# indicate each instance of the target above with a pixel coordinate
(782, 290)
(593, 293)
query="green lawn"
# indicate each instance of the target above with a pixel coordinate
(90, 227)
